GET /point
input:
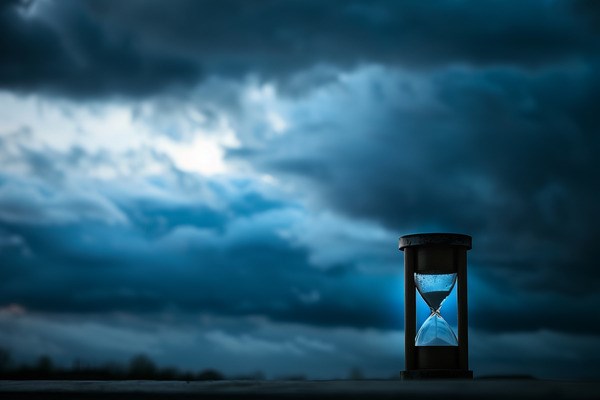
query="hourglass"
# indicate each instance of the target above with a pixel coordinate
(433, 264)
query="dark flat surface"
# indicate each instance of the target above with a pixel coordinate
(367, 389)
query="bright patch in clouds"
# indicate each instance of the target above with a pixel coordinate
(204, 153)
(59, 126)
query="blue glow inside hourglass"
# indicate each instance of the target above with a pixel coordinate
(435, 288)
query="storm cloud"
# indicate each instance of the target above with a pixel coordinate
(94, 48)
(488, 152)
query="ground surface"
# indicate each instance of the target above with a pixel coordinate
(367, 389)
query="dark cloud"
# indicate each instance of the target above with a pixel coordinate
(135, 48)
(500, 153)
(99, 268)
(65, 50)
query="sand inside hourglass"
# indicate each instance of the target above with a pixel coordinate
(435, 288)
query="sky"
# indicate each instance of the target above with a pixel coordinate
(222, 184)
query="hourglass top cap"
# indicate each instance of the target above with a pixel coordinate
(422, 239)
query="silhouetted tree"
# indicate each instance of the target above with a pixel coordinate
(256, 376)
(142, 367)
(5, 359)
(114, 368)
(356, 374)
(209, 375)
(44, 365)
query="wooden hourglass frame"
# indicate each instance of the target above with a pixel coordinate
(439, 255)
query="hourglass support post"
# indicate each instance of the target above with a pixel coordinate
(460, 255)
(410, 314)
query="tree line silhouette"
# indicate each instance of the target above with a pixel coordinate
(139, 367)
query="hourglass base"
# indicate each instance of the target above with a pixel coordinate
(436, 374)
(436, 362)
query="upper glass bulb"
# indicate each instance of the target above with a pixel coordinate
(435, 288)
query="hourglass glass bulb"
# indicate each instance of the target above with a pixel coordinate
(435, 288)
